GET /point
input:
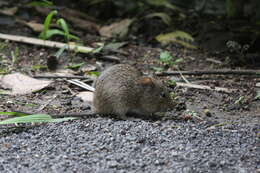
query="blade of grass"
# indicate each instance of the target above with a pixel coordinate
(36, 118)
(17, 114)
(47, 24)
(62, 23)
(56, 120)
(52, 32)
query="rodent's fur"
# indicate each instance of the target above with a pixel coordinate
(122, 89)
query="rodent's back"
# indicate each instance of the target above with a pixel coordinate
(112, 89)
(122, 88)
(118, 76)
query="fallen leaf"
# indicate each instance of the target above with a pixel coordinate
(163, 16)
(164, 3)
(36, 27)
(119, 29)
(86, 96)
(9, 11)
(87, 68)
(114, 46)
(64, 72)
(22, 84)
(180, 37)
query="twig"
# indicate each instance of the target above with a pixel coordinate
(81, 84)
(62, 77)
(214, 61)
(185, 79)
(211, 72)
(46, 43)
(205, 87)
(110, 58)
(73, 80)
(48, 102)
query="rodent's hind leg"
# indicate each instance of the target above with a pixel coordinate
(122, 113)
(120, 110)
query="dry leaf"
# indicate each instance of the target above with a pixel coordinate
(163, 16)
(114, 46)
(87, 68)
(119, 29)
(62, 72)
(22, 84)
(36, 27)
(9, 11)
(86, 96)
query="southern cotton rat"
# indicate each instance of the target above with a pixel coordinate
(122, 89)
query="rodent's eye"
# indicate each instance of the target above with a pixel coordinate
(163, 94)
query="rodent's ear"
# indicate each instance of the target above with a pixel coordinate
(147, 81)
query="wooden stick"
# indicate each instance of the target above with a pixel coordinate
(46, 43)
(81, 84)
(211, 72)
(61, 77)
(189, 85)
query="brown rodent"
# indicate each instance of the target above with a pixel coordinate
(122, 89)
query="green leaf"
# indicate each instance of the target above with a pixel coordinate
(157, 2)
(158, 69)
(73, 37)
(165, 57)
(57, 120)
(94, 73)
(97, 50)
(18, 114)
(28, 119)
(60, 51)
(43, 3)
(73, 66)
(39, 67)
(164, 3)
(178, 60)
(47, 24)
(164, 17)
(180, 37)
(52, 32)
(36, 118)
(240, 100)
(172, 82)
(62, 23)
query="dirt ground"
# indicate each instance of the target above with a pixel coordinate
(208, 131)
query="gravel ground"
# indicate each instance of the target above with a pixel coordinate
(107, 145)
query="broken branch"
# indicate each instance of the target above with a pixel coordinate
(211, 72)
(46, 43)
(189, 85)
